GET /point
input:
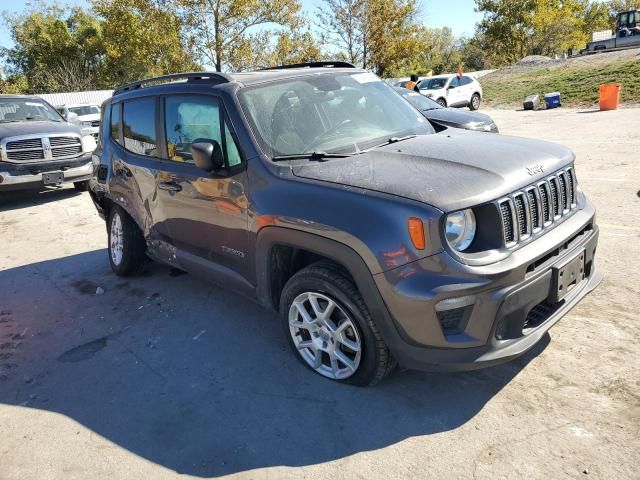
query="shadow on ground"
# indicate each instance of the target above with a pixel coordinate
(200, 380)
(17, 199)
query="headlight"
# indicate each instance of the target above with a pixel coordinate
(85, 124)
(88, 143)
(460, 229)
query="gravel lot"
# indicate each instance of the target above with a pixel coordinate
(164, 375)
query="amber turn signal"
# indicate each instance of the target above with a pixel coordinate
(416, 232)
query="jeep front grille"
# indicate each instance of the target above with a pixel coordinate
(534, 208)
(47, 147)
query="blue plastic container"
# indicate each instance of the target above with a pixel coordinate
(552, 100)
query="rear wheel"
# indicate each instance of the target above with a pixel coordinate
(126, 244)
(330, 329)
(442, 102)
(474, 104)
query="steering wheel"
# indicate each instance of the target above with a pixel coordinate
(326, 133)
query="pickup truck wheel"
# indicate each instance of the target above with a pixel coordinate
(474, 104)
(81, 186)
(330, 329)
(126, 244)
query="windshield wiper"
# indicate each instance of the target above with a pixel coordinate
(319, 156)
(392, 140)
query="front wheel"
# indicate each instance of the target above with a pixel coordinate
(474, 104)
(330, 329)
(126, 244)
(442, 102)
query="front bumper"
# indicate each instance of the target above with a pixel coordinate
(12, 178)
(506, 308)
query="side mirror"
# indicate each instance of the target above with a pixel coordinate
(450, 87)
(207, 154)
(73, 118)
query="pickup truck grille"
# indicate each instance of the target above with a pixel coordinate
(533, 209)
(40, 148)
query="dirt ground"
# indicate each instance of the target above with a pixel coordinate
(164, 375)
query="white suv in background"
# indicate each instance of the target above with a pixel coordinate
(451, 91)
(89, 116)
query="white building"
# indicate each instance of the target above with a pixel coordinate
(94, 97)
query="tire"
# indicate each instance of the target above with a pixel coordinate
(348, 325)
(474, 104)
(81, 186)
(442, 102)
(126, 245)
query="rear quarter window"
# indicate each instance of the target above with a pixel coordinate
(115, 124)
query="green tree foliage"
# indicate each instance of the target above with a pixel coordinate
(516, 28)
(441, 50)
(618, 6)
(220, 30)
(55, 49)
(61, 50)
(140, 40)
(293, 47)
(382, 35)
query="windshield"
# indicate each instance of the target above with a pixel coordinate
(84, 110)
(332, 113)
(432, 83)
(20, 110)
(419, 101)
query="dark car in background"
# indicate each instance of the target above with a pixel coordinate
(443, 117)
(322, 194)
(38, 147)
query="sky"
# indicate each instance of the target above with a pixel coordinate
(435, 13)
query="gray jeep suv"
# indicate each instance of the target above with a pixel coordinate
(318, 191)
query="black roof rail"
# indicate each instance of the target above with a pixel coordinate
(191, 77)
(334, 64)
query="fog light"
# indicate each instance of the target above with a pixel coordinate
(453, 313)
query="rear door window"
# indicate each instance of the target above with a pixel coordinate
(466, 81)
(139, 126)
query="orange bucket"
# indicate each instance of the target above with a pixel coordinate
(609, 96)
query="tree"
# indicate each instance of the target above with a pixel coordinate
(618, 6)
(50, 41)
(379, 34)
(344, 24)
(219, 29)
(516, 28)
(141, 39)
(293, 47)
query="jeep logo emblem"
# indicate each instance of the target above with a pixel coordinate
(535, 169)
(46, 147)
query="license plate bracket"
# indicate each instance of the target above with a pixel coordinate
(567, 275)
(52, 178)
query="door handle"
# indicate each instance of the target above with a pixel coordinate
(169, 186)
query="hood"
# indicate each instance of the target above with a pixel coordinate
(450, 170)
(453, 116)
(30, 127)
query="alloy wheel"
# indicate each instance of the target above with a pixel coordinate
(116, 245)
(325, 335)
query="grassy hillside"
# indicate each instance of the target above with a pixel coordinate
(578, 82)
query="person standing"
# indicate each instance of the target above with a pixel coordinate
(411, 84)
